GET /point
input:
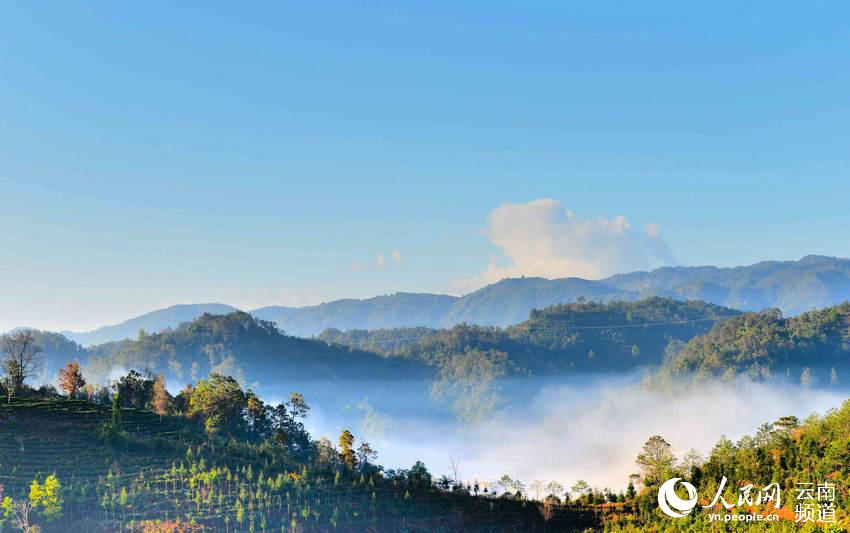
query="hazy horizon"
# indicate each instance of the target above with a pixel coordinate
(293, 154)
(248, 308)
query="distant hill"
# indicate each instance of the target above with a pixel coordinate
(240, 345)
(793, 287)
(511, 300)
(582, 337)
(390, 311)
(765, 344)
(152, 322)
(56, 351)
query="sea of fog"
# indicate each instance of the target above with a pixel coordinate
(586, 427)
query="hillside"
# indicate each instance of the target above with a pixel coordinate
(590, 337)
(166, 475)
(511, 300)
(139, 472)
(793, 287)
(391, 311)
(155, 321)
(57, 350)
(238, 344)
(791, 453)
(767, 344)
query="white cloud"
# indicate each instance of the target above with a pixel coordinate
(542, 238)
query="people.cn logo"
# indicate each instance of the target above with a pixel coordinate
(671, 504)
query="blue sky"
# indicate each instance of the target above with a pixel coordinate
(158, 153)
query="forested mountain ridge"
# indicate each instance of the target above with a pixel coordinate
(240, 345)
(388, 311)
(813, 345)
(155, 321)
(580, 337)
(56, 351)
(618, 336)
(792, 286)
(585, 336)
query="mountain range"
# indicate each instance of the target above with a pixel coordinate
(791, 286)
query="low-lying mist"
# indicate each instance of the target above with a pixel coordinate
(587, 427)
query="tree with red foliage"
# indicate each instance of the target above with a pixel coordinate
(71, 379)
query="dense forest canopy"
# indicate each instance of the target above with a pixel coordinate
(616, 336)
(241, 345)
(814, 344)
(585, 336)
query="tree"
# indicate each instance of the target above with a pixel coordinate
(548, 508)
(506, 482)
(656, 461)
(581, 488)
(454, 464)
(219, 402)
(553, 488)
(135, 389)
(22, 357)
(7, 378)
(536, 486)
(298, 407)
(48, 496)
(630, 491)
(19, 512)
(786, 424)
(418, 475)
(71, 379)
(469, 382)
(160, 398)
(346, 445)
(806, 377)
(692, 460)
(116, 412)
(365, 455)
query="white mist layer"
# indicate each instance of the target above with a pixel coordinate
(592, 429)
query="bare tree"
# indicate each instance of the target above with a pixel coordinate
(454, 465)
(549, 507)
(22, 357)
(536, 486)
(20, 515)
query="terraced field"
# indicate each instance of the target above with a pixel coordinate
(167, 470)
